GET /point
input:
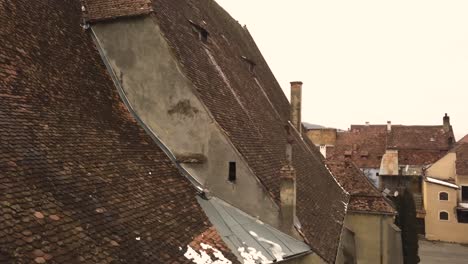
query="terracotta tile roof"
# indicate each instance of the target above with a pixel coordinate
(416, 145)
(110, 9)
(252, 109)
(359, 140)
(420, 138)
(364, 196)
(80, 181)
(462, 159)
(464, 139)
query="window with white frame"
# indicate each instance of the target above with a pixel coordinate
(443, 196)
(443, 216)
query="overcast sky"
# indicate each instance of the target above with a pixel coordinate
(366, 60)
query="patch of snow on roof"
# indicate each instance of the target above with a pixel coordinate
(252, 256)
(203, 257)
(440, 182)
(464, 205)
(276, 249)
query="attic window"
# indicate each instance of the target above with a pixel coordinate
(250, 63)
(232, 172)
(203, 34)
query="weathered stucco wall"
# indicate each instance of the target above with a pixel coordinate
(376, 240)
(165, 101)
(443, 168)
(347, 249)
(445, 230)
(326, 136)
(393, 247)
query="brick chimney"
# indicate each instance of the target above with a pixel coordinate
(296, 105)
(446, 123)
(288, 189)
(389, 126)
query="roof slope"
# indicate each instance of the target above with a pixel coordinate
(252, 109)
(462, 159)
(80, 181)
(365, 146)
(364, 196)
(463, 140)
(416, 145)
(107, 9)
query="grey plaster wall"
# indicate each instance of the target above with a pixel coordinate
(166, 102)
(376, 239)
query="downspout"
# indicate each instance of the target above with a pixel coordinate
(148, 130)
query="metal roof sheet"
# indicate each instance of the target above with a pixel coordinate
(243, 232)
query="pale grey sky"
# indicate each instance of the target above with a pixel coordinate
(366, 60)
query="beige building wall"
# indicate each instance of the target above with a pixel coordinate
(326, 136)
(443, 168)
(436, 229)
(376, 238)
(445, 230)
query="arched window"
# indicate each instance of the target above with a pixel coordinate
(443, 216)
(443, 196)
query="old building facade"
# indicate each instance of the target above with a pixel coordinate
(370, 217)
(392, 156)
(446, 197)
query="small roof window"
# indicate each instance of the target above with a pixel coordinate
(250, 63)
(203, 34)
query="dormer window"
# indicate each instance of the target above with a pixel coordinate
(251, 64)
(203, 34)
(348, 153)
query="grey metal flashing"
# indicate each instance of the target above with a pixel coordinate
(242, 232)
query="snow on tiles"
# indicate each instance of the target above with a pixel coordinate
(203, 258)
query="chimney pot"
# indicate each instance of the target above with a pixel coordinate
(389, 125)
(296, 105)
(367, 123)
(446, 122)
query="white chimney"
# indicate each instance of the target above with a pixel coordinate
(389, 125)
(367, 123)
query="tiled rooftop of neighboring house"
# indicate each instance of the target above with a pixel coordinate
(365, 146)
(364, 196)
(110, 9)
(416, 145)
(235, 83)
(463, 140)
(80, 181)
(462, 159)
